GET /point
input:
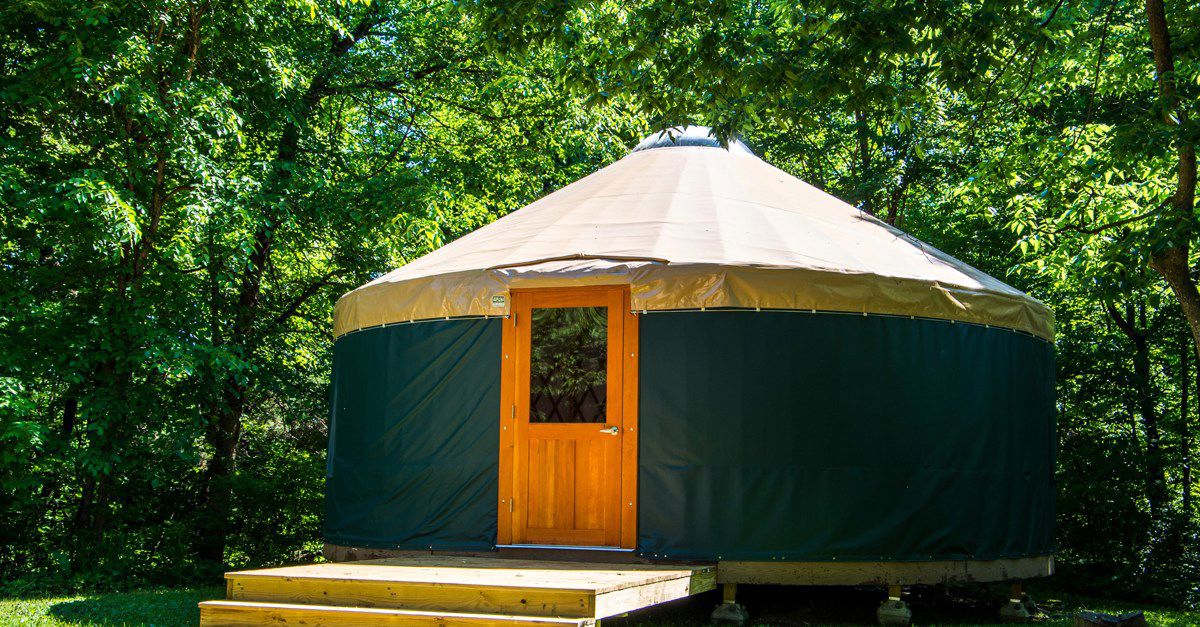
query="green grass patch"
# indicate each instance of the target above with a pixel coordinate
(1062, 607)
(148, 607)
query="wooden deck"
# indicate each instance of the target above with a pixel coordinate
(449, 591)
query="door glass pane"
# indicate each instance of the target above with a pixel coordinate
(568, 364)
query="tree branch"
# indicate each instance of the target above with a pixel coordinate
(1116, 223)
(304, 296)
(1126, 325)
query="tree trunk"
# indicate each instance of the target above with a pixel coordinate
(1185, 435)
(69, 414)
(864, 156)
(1155, 488)
(114, 378)
(1147, 410)
(225, 419)
(90, 521)
(223, 432)
(1174, 262)
(896, 201)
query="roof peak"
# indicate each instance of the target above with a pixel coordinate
(681, 136)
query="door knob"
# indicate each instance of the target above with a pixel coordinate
(611, 430)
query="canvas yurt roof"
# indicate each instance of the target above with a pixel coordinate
(688, 224)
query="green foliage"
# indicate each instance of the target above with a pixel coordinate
(186, 188)
(1044, 143)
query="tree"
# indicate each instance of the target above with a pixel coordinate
(186, 188)
(1069, 124)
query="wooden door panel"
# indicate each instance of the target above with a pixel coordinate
(552, 473)
(591, 467)
(563, 482)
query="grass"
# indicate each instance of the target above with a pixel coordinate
(147, 607)
(769, 605)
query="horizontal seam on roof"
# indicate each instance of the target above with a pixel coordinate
(921, 247)
(578, 257)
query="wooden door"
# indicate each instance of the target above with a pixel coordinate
(568, 462)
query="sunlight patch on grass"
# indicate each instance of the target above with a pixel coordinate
(149, 607)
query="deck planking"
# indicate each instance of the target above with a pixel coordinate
(454, 589)
(490, 572)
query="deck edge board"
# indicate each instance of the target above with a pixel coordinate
(368, 611)
(600, 589)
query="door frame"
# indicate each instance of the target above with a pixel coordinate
(629, 409)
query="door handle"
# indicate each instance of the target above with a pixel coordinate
(611, 430)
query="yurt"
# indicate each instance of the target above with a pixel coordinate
(692, 355)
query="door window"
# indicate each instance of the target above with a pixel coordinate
(568, 364)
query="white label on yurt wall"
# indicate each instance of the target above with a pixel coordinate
(498, 300)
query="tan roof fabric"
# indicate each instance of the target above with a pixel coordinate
(695, 227)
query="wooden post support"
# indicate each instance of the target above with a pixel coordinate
(1017, 610)
(729, 612)
(894, 611)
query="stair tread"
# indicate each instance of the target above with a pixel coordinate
(367, 613)
(463, 588)
(484, 573)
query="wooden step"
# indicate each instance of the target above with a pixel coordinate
(232, 613)
(475, 585)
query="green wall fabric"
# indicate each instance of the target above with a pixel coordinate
(413, 443)
(796, 436)
(764, 435)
